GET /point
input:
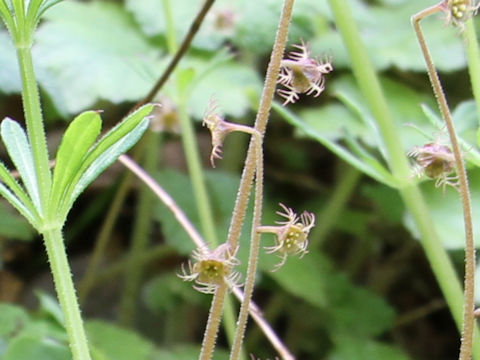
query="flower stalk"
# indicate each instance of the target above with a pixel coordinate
(469, 280)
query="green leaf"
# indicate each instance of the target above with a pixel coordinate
(18, 148)
(372, 171)
(117, 141)
(188, 352)
(9, 74)
(50, 306)
(388, 35)
(28, 347)
(231, 84)
(103, 56)
(115, 343)
(18, 198)
(14, 226)
(301, 277)
(165, 292)
(77, 140)
(348, 347)
(446, 212)
(355, 310)
(12, 318)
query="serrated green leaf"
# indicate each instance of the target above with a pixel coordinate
(77, 140)
(18, 148)
(103, 56)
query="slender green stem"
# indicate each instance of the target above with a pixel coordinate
(140, 236)
(473, 56)
(245, 186)
(414, 201)
(335, 205)
(469, 280)
(214, 318)
(171, 39)
(34, 122)
(197, 239)
(104, 235)
(197, 177)
(254, 252)
(62, 277)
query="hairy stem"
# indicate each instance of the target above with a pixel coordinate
(199, 242)
(254, 252)
(413, 198)
(473, 56)
(245, 186)
(62, 277)
(214, 318)
(34, 122)
(469, 281)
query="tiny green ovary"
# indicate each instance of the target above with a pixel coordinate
(293, 239)
(210, 271)
(458, 8)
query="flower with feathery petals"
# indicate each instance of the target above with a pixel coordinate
(459, 11)
(212, 268)
(301, 74)
(436, 161)
(291, 235)
(219, 128)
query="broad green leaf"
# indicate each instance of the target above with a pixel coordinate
(50, 306)
(231, 84)
(403, 102)
(14, 226)
(9, 74)
(18, 148)
(165, 292)
(253, 24)
(446, 212)
(12, 318)
(103, 56)
(389, 37)
(100, 161)
(355, 310)
(222, 188)
(115, 343)
(348, 347)
(188, 352)
(304, 278)
(338, 149)
(77, 140)
(28, 347)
